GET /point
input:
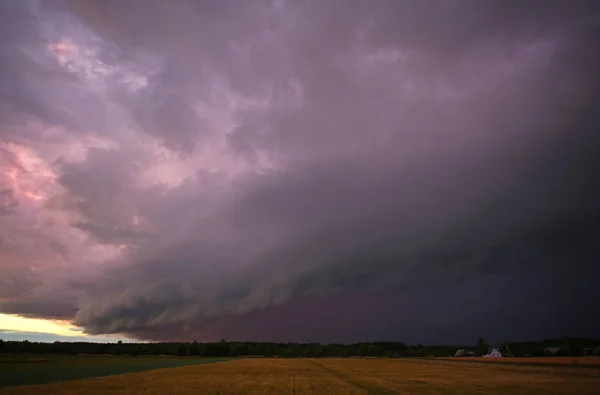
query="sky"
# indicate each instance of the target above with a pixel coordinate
(15, 327)
(313, 171)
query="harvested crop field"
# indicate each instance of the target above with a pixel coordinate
(587, 361)
(335, 376)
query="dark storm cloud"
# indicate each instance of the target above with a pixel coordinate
(429, 163)
(105, 203)
(165, 109)
(32, 87)
(17, 29)
(8, 202)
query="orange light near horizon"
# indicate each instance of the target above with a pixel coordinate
(26, 324)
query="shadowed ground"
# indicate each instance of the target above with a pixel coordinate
(45, 369)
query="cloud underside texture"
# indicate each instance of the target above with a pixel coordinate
(312, 171)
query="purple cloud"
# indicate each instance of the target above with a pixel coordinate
(231, 169)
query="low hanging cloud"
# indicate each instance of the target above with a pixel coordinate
(236, 169)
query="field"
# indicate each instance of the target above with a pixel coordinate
(558, 361)
(47, 369)
(335, 376)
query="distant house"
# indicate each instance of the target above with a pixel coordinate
(493, 353)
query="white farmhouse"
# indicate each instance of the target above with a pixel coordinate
(495, 353)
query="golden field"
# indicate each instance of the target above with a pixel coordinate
(594, 361)
(335, 376)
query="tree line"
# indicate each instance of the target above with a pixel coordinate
(569, 346)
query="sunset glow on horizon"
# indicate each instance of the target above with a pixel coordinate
(18, 323)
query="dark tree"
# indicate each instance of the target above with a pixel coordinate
(183, 350)
(195, 348)
(482, 346)
(568, 346)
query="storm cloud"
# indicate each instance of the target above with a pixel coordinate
(312, 170)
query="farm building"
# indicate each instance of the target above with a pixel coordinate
(493, 353)
(464, 353)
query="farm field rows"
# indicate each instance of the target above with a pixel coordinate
(334, 376)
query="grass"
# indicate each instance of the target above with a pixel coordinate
(44, 369)
(335, 376)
